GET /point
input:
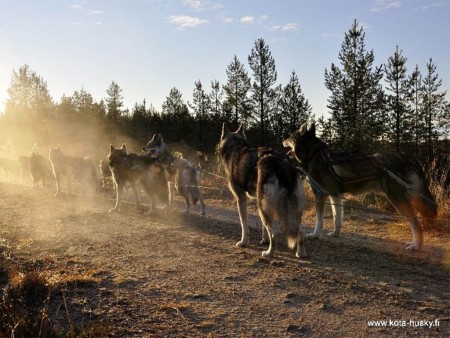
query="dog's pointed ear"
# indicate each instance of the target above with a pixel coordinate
(303, 128)
(225, 131)
(111, 148)
(59, 147)
(124, 147)
(312, 129)
(240, 130)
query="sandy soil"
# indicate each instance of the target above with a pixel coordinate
(172, 274)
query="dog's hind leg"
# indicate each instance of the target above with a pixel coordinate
(337, 208)
(137, 198)
(58, 184)
(414, 224)
(202, 204)
(267, 222)
(242, 209)
(320, 207)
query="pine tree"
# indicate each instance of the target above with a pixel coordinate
(398, 102)
(356, 100)
(201, 107)
(294, 108)
(433, 105)
(236, 103)
(215, 98)
(29, 98)
(415, 80)
(174, 105)
(114, 102)
(264, 74)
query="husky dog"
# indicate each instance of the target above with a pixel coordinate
(273, 180)
(40, 169)
(400, 178)
(133, 169)
(81, 169)
(183, 175)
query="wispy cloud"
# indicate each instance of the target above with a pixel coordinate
(225, 19)
(76, 6)
(202, 5)
(438, 4)
(286, 27)
(383, 5)
(248, 19)
(95, 13)
(186, 21)
(77, 23)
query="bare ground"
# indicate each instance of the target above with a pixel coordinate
(172, 274)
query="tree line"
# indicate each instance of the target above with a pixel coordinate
(372, 108)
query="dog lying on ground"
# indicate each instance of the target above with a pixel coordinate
(273, 179)
(82, 169)
(373, 175)
(137, 169)
(183, 175)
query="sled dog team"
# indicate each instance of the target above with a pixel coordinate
(273, 178)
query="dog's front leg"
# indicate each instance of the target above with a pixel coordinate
(57, 182)
(337, 207)
(320, 206)
(137, 198)
(242, 209)
(119, 192)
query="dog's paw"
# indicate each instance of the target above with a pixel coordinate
(267, 254)
(333, 234)
(413, 246)
(242, 244)
(301, 254)
(313, 235)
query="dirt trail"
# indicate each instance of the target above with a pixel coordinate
(172, 274)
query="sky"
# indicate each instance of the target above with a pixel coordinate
(150, 46)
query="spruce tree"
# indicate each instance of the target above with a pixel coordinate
(400, 122)
(114, 102)
(294, 108)
(236, 102)
(433, 105)
(264, 75)
(356, 100)
(215, 98)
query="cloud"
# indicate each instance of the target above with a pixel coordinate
(262, 18)
(248, 19)
(382, 5)
(202, 5)
(287, 27)
(76, 6)
(186, 21)
(77, 23)
(225, 19)
(439, 4)
(95, 13)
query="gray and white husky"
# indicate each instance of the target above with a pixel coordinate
(272, 179)
(137, 169)
(82, 169)
(400, 178)
(183, 175)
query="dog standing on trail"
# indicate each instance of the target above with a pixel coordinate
(400, 178)
(272, 179)
(137, 169)
(183, 175)
(82, 169)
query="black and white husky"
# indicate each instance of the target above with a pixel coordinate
(400, 178)
(272, 179)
